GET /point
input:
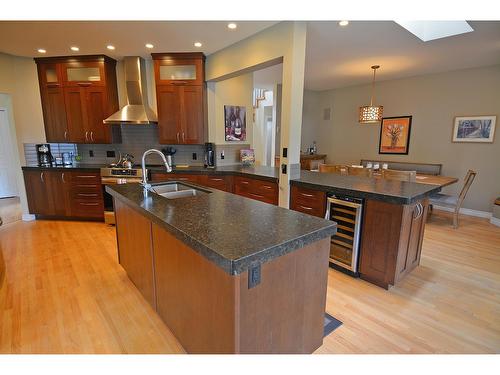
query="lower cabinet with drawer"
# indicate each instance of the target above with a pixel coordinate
(308, 201)
(264, 191)
(60, 193)
(162, 176)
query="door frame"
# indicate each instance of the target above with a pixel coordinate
(10, 152)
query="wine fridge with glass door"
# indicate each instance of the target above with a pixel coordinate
(344, 248)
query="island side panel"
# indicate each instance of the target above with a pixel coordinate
(135, 251)
(285, 312)
(195, 298)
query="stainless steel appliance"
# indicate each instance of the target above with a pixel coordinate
(344, 247)
(44, 155)
(209, 155)
(114, 176)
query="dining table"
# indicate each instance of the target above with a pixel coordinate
(430, 179)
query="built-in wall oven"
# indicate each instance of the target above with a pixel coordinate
(116, 176)
(344, 248)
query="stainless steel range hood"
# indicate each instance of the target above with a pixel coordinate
(137, 111)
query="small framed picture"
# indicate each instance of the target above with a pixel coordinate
(395, 135)
(235, 123)
(480, 129)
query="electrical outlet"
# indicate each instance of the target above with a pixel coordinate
(195, 156)
(222, 155)
(254, 275)
(91, 153)
(110, 154)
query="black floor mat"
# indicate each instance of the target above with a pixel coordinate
(330, 324)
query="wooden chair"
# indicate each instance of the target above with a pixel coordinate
(333, 168)
(392, 174)
(356, 171)
(452, 201)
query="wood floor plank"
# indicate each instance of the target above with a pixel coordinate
(66, 293)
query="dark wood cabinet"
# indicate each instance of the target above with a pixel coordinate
(264, 191)
(391, 240)
(64, 193)
(77, 94)
(308, 201)
(181, 98)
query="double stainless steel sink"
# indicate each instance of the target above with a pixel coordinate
(175, 190)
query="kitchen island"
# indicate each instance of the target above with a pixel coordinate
(392, 220)
(227, 274)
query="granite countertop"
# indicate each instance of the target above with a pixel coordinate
(270, 173)
(399, 192)
(233, 232)
(76, 167)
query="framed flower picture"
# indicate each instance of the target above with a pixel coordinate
(395, 135)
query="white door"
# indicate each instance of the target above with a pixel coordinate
(8, 186)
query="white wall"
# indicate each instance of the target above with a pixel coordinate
(433, 101)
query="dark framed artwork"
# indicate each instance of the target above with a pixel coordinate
(235, 123)
(395, 135)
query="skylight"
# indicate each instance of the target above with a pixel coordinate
(430, 30)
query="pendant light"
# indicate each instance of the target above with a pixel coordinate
(370, 114)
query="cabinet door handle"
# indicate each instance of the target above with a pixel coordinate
(307, 195)
(62, 178)
(216, 179)
(84, 84)
(178, 137)
(420, 210)
(89, 204)
(87, 195)
(245, 182)
(267, 187)
(256, 195)
(81, 176)
(65, 134)
(86, 136)
(53, 84)
(183, 139)
(305, 208)
(41, 177)
(92, 136)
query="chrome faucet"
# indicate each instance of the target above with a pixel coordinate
(144, 173)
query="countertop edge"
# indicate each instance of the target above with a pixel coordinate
(360, 194)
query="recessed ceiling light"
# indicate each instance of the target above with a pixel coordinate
(110, 47)
(41, 50)
(149, 45)
(232, 26)
(197, 44)
(344, 23)
(74, 48)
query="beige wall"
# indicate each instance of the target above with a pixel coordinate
(284, 42)
(433, 101)
(19, 84)
(233, 91)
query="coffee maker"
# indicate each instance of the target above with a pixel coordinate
(209, 155)
(44, 155)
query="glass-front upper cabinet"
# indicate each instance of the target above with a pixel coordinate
(172, 70)
(49, 75)
(84, 73)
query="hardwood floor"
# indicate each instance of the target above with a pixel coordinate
(65, 293)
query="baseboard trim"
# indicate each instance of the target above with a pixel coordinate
(28, 217)
(495, 221)
(465, 211)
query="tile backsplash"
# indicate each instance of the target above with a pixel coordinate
(56, 150)
(135, 140)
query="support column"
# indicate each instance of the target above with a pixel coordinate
(291, 115)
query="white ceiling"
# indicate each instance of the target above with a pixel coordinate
(335, 56)
(129, 37)
(341, 56)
